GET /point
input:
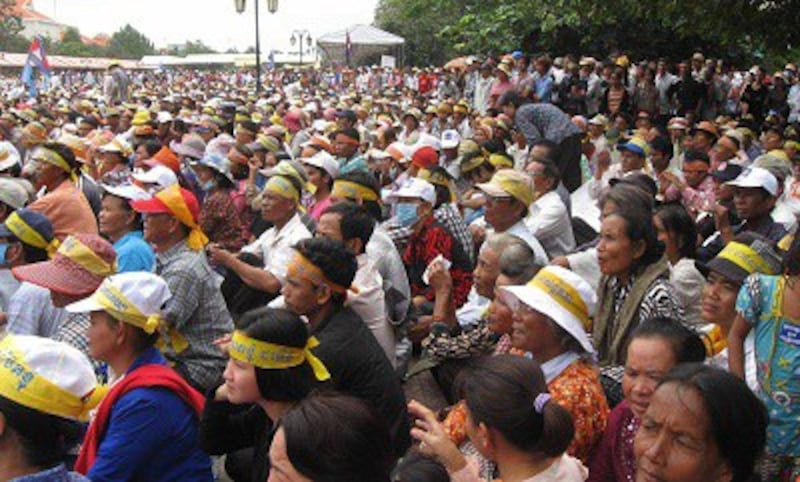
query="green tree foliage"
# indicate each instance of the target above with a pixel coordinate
(71, 44)
(436, 29)
(10, 28)
(129, 43)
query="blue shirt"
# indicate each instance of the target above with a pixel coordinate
(56, 474)
(152, 434)
(134, 253)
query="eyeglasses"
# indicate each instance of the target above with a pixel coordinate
(498, 199)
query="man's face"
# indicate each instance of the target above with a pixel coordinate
(41, 173)
(300, 295)
(501, 211)
(695, 172)
(772, 140)
(157, 227)
(752, 202)
(541, 183)
(659, 160)
(274, 207)
(329, 226)
(701, 141)
(344, 146)
(631, 161)
(486, 271)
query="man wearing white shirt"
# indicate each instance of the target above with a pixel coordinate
(508, 196)
(350, 224)
(548, 219)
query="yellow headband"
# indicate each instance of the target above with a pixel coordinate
(562, 293)
(120, 307)
(52, 157)
(352, 190)
(283, 187)
(28, 235)
(174, 201)
(20, 384)
(79, 253)
(269, 356)
(745, 257)
(303, 268)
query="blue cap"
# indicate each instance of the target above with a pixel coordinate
(37, 221)
(218, 163)
(516, 55)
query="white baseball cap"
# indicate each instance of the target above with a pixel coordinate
(450, 139)
(160, 175)
(562, 296)
(47, 376)
(756, 177)
(416, 188)
(323, 160)
(164, 117)
(135, 298)
(127, 191)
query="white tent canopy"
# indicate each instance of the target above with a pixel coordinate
(367, 42)
(361, 35)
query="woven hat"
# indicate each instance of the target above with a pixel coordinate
(77, 269)
(217, 163)
(9, 156)
(12, 194)
(191, 145)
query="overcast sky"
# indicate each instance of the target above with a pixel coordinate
(215, 22)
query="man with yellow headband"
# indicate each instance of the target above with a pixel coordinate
(196, 314)
(146, 427)
(318, 280)
(42, 416)
(281, 198)
(53, 170)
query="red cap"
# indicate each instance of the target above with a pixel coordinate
(155, 205)
(425, 157)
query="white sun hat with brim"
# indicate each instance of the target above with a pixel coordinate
(416, 188)
(562, 296)
(130, 192)
(162, 176)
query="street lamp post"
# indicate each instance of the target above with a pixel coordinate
(297, 37)
(272, 6)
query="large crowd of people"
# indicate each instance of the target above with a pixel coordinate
(515, 267)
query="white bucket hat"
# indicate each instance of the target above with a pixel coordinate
(562, 296)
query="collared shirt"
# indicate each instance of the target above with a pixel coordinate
(134, 253)
(197, 310)
(549, 221)
(448, 215)
(274, 246)
(472, 310)
(553, 367)
(152, 435)
(30, 312)
(369, 303)
(56, 474)
(8, 286)
(67, 208)
(387, 260)
(73, 331)
(696, 200)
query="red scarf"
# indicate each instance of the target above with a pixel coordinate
(147, 376)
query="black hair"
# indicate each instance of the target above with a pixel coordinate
(791, 260)
(676, 220)
(332, 437)
(513, 97)
(44, 439)
(151, 145)
(65, 153)
(350, 132)
(639, 228)
(244, 150)
(662, 144)
(322, 172)
(141, 339)
(32, 254)
(686, 345)
(550, 171)
(281, 327)
(335, 261)
(737, 418)
(368, 180)
(500, 392)
(693, 155)
(354, 223)
(417, 467)
(494, 146)
(443, 194)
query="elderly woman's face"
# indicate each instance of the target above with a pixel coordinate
(674, 441)
(616, 252)
(648, 361)
(532, 331)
